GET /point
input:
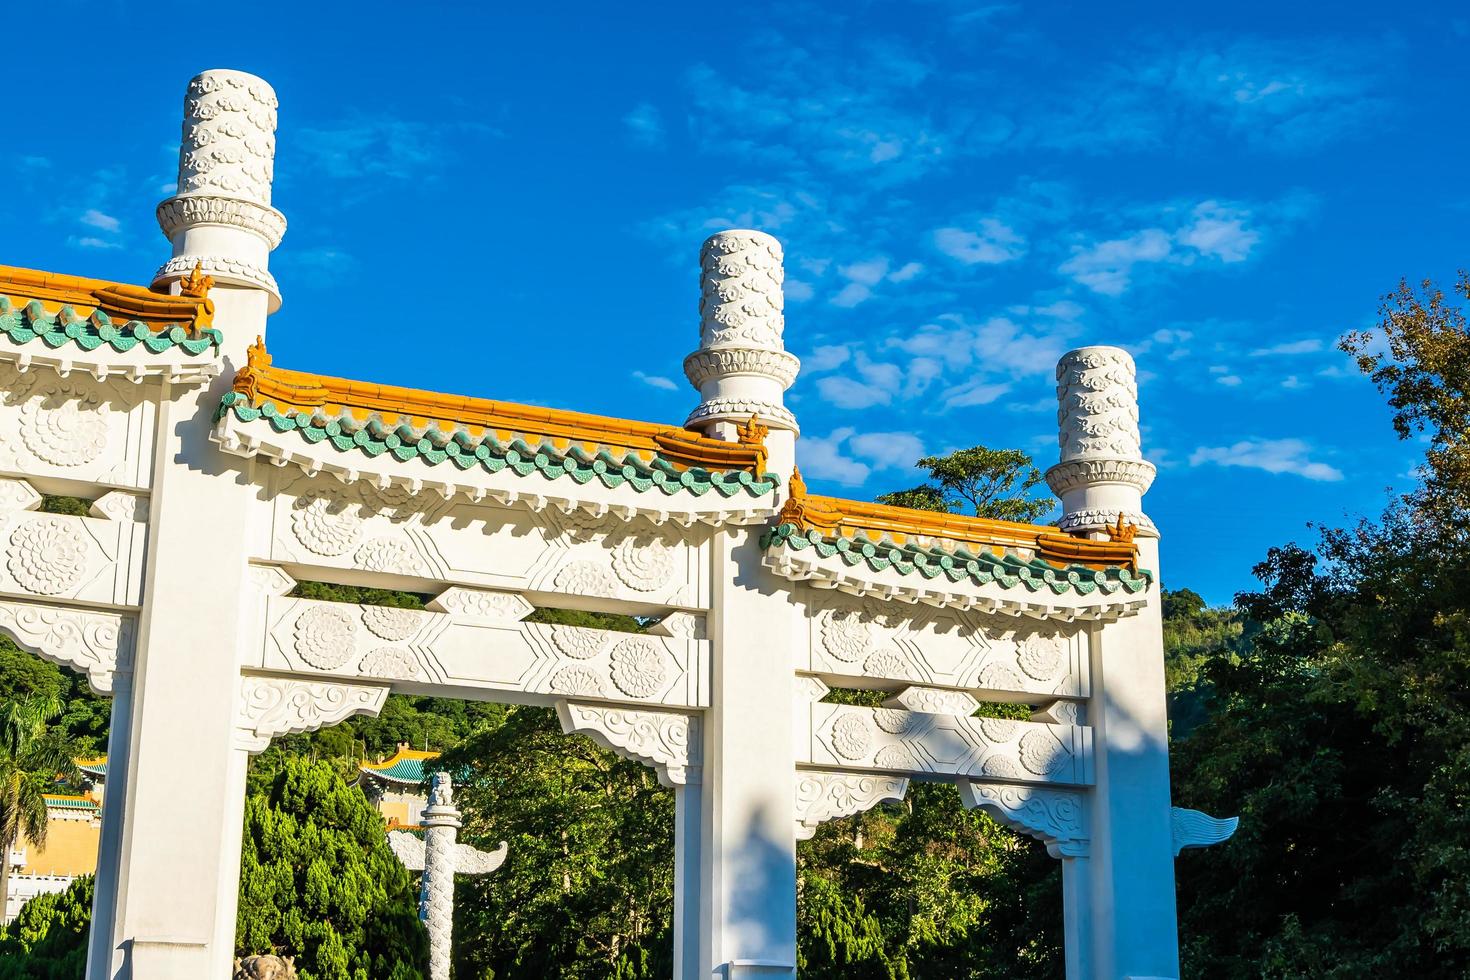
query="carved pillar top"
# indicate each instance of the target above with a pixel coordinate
(441, 811)
(1102, 475)
(741, 368)
(221, 220)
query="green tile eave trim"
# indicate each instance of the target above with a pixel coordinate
(31, 322)
(462, 450)
(1007, 571)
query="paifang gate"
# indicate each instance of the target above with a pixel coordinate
(221, 479)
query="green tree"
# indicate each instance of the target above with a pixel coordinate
(319, 882)
(1340, 731)
(587, 890)
(48, 939)
(33, 756)
(995, 483)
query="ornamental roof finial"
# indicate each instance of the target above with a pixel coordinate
(196, 283)
(752, 433)
(1122, 532)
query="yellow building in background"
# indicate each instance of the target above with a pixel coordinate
(73, 830)
(396, 785)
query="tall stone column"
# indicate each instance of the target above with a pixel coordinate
(441, 828)
(1124, 896)
(741, 368)
(177, 860)
(440, 857)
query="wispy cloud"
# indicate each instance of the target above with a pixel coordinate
(96, 219)
(822, 458)
(656, 381)
(94, 242)
(378, 147)
(1309, 345)
(991, 243)
(1271, 455)
(645, 125)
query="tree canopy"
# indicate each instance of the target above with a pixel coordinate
(996, 483)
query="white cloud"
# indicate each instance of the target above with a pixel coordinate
(908, 271)
(1220, 232)
(994, 243)
(850, 393)
(798, 291)
(1107, 267)
(90, 242)
(888, 450)
(974, 393)
(1308, 346)
(851, 295)
(868, 272)
(96, 219)
(1229, 380)
(822, 459)
(826, 358)
(656, 381)
(645, 124)
(1271, 455)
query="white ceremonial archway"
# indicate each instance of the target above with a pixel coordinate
(220, 480)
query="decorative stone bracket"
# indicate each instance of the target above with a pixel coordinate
(667, 740)
(1193, 828)
(1054, 817)
(98, 644)
(271, 706)
(823, 795)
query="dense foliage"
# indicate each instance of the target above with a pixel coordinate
(995, 483)
(48, 939)
(318, 881)
(1341, 732)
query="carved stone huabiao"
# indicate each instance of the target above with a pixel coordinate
(822, 795)
(741, 368)
(440, 858)
(667, 740)
(271, 706)
(1102, 475)
(1053, 816)
(1193, 828)
(226, 163)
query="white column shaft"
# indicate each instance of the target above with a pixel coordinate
(179, 853)
(1134, 921)
(103, 939)
(748, 845)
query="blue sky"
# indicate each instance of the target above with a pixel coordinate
(509, 202)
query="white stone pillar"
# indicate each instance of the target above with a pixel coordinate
(1129, 887)
(102, 938)
(741, 368)
(441, 830)
(746, 805)
(221, 219)
(177, 859)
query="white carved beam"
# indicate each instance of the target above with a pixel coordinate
(823, 795)
(849, 737)
(861, 640)
(271, 706)
(1055, 817)
(474, 642)
(667, 740)
(77, 559)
